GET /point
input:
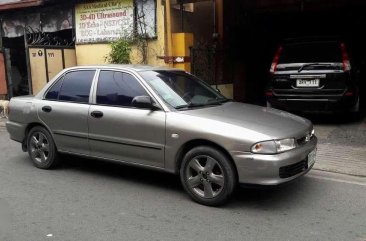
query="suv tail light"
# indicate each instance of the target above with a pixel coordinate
(276, 59)
(269, 93)
(345, 59)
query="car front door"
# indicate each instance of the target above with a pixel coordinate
(64, 110)
(119, 131)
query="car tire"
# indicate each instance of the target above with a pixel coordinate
(208, 175)
(41, 148)
(355, 110)
(356, 107)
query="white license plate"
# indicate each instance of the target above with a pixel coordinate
(311, 158)
(307, 82)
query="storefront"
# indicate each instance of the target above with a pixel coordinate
(27, 29)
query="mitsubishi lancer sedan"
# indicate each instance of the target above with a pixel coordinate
(165, 119)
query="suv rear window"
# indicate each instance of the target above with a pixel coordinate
(311, 52)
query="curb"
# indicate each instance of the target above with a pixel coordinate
(2, 123)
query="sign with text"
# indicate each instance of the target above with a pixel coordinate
(103, 21)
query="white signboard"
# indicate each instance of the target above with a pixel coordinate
(103, 21)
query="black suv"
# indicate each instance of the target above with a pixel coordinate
(313, 74)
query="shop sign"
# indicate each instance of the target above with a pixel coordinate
(104, 21)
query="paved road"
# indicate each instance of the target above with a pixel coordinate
(93, 200)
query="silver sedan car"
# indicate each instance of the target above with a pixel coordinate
(166, 119)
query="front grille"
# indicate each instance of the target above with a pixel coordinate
(292, 170)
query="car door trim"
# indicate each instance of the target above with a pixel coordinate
(125, 143)
(70, 135)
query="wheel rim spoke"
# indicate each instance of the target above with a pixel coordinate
(34, 141)
(34, 153)
(40, 138)
(43, 156)
(45, 147)
(195, 165)
(210, 164)
(194, 181)
(208, 191)
(217, 179)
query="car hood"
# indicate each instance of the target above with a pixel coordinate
(271, 122)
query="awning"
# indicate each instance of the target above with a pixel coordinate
(13, 4)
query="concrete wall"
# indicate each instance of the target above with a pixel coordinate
(90, 54)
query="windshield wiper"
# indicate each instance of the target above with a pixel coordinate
(190, 105)
(193, 105)
(312, 64)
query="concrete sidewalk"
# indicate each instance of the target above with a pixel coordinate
(342, 145)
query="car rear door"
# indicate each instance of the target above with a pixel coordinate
(64, 110)
(119, 131)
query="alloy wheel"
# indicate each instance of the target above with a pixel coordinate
(205, 176)
(39, 147)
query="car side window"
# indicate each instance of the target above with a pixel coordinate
(53, 92)
(118, 89)
(76, 86)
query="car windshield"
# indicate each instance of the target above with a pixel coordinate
(182, 90)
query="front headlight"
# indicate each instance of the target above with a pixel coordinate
(275, 146)
(285, 144)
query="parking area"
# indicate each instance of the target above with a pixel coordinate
(267, 24)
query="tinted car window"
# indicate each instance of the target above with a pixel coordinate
(118, 89)
(76, 86)
(311, 52)
(52, 94)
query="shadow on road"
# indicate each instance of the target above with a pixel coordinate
(121, 171)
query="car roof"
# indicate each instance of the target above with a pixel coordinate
(131, 67)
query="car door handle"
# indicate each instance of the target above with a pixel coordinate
(97, 114)
(46, 109)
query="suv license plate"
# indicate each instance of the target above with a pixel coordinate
(307, 82)
(311, 158)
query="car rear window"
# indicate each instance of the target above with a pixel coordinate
(310, 52)
(76, 86)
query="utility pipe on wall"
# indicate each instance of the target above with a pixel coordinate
(168, 30)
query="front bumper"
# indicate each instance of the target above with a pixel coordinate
(265, 169)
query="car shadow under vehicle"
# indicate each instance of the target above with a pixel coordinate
(248, 196)
(120, 171)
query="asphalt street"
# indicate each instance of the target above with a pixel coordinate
(94, 200)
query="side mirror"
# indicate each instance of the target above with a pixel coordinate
(143, 102)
